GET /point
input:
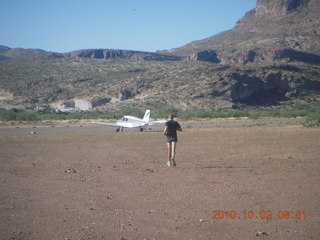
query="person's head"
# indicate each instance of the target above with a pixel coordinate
(171, 116)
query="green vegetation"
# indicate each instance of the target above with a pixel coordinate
(313, 118)
(18, 115)
(31, 116)
(232, 113)
(312, 115)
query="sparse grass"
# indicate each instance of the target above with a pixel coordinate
(312, 115)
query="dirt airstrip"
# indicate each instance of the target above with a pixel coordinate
(257, 182)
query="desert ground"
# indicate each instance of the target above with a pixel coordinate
(231, 182)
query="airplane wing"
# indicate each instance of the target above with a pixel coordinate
(157, 122)
(124, 125)
(107, 124)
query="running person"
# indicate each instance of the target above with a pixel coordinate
(170, 131)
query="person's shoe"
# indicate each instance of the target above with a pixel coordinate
(173, 162)
(169, 164)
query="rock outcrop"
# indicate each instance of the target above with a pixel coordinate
(120, 54)
(261, 55)
(75, 105)
(279, 7)
(270, 88)
(209, 56)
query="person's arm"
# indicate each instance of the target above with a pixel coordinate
(165, 131)
(179, 128)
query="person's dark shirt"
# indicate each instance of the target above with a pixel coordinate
(172, 127)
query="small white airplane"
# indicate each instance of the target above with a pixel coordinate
(132, 122)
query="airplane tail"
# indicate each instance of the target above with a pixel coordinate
(146, 117)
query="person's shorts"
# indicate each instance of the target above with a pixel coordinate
(171, 139)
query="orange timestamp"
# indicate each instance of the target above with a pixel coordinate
(263, 214)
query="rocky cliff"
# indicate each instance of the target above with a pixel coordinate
(279, 7)
(275, 29)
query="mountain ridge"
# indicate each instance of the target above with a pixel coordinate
(271, 57)
(7, 53)
(264, 31)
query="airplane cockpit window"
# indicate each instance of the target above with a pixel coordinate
(124, 119)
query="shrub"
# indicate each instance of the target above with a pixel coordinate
(133, 112)
(313, 118)
(18, 115)
(28, 116)
(165, 111)
(7, 115)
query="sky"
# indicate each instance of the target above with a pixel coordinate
(142, 25)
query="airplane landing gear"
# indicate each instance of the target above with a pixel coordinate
(120, 129)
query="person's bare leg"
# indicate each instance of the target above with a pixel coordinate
(173, 155)
(169, 145)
